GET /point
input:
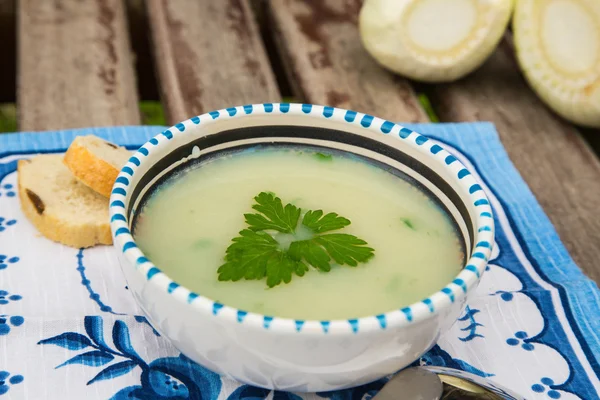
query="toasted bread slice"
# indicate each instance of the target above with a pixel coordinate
(96, 162)
(59, 206)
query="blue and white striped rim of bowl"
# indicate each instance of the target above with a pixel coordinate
(455, 291)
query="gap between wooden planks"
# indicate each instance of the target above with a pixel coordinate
(325, 60)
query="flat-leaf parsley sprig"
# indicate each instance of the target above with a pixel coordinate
(256, 254)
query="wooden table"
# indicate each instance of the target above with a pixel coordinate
(76, 69)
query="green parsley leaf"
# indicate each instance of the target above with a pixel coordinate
(247, 256)
(274, 215)
(345, 249)
(255, 254)
(310, 251)
(279, 268)
(316, 222)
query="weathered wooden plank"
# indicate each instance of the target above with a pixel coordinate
(209, 55)
(557, 164)
(75, 66)
(327, 63)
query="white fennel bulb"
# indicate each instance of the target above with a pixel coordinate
(558, 49)
(433, 40)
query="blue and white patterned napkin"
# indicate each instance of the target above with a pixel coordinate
(69, 328)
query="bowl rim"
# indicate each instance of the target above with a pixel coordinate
(454, 292)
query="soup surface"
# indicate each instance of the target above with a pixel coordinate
(188, 222)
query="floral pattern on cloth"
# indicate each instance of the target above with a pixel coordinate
(67, 319)
(163, 378)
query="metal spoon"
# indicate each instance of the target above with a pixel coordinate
(437, 383)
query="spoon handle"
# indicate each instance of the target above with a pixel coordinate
(414, 384)
(437, 383)
(471, 384)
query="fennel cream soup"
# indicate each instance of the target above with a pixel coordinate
(404, 245)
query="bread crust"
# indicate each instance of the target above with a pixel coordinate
(56, 229)
(89, 169)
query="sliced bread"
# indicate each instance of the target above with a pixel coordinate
(59, 206)
(96, 162)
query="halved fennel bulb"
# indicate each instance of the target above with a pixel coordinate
(558, 48)
(433, 40)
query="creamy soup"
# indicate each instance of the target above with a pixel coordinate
(188, 222)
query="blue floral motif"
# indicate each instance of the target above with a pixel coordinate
(170, 378)
(439, 358)
(516, 340)
(469, 316)
(546, 383)
(6, 223)
(7, 190)
(7, 168)
(173, 378)
(87, 283)
(504, 295)
(6, 322)
(142, 320)
(6, 381)
(6, 260)
(96, 296)
(6, 297)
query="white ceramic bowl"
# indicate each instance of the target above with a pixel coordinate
(282, 353)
